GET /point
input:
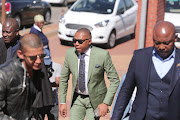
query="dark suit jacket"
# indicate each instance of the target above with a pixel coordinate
(41, 35)
(3, 50)
(138, 75)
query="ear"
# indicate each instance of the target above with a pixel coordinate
(90, 41)
(20, 54)
(17, 32)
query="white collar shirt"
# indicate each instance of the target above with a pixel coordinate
(86, 58)
(36, 27)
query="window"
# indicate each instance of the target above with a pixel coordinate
(173, 6)
(121, 7)
(129, 4)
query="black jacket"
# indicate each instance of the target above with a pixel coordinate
(20, 96)
(3, 50)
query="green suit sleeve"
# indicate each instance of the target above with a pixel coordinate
(113, 78)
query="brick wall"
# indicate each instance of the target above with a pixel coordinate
(155, 13)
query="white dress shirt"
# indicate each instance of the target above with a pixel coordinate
(86, 58)
(36, 27)
(163, 66)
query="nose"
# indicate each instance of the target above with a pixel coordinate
(39, 60)
(162, 47)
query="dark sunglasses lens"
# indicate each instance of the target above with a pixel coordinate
(74, 40)
(42, 55)
(79, 41)
(33, 57)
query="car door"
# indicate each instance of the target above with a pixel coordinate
(121, 18)
(131, 11)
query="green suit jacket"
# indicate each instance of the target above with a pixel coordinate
(100, 62)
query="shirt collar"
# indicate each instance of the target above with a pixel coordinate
(36, 27)
(171, 56)
(87, 52)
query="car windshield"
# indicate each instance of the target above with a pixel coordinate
(173, 6)
(96, 6)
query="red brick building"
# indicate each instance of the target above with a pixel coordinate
(155, 13)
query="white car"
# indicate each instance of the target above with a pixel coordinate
(172, 14)
(108, 20)
(63, 2)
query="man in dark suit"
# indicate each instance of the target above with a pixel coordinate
(10, 41)
(154, 71)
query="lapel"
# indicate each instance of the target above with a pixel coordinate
(147, 67)
(75, 66)
(176, 72)
(91, 62)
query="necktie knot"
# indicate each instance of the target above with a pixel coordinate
(82, 55)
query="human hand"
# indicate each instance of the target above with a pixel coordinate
(103, 109)
(63, 110)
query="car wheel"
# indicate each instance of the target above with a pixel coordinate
(47, 16)
(112, 40)
(65, 3)
(18, 18)
(133, 34)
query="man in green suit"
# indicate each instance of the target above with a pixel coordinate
(87, 65)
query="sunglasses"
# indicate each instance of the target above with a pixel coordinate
(33, 58)
(80, 41)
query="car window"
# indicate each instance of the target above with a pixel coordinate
(173, 6)
(96, 6)
(121, 7)
(129, 4)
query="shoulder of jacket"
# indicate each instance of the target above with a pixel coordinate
(100, 50)
(144, 50)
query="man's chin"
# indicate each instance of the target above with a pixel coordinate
(37, 67)
(6, 41)
(163, 55)
(79, 50)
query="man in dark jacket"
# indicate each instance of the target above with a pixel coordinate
(37, 29)
(10, 41)
(24, 85)
(155, 72)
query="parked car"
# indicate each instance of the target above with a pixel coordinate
(172, 14)
(62, 2)
(25, 10)
(108, 20)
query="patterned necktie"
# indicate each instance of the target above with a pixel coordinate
(81, 81)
